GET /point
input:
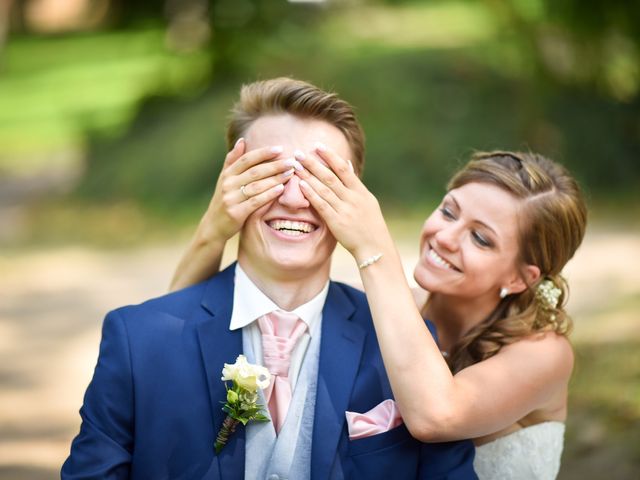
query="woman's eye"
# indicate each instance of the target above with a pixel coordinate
(447, 213)
(480, 239)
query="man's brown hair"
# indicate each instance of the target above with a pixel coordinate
(300, 99)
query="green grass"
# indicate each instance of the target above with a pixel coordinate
(53, 90)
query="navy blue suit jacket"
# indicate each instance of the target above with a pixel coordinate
(152, 409)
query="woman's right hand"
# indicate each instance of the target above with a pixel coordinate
(248, 180)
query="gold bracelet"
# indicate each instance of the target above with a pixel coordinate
(370, 261)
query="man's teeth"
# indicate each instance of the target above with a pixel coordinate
(292, 228)
(439, 260)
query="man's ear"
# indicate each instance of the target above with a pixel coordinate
(527, 276)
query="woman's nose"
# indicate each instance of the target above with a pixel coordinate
(449, 237)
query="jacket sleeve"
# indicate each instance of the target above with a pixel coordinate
(103, 447)
(447, 460)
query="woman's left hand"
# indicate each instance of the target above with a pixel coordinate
(351, 212)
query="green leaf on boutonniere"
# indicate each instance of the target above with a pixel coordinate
(242, 398)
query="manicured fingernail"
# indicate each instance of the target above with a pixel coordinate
(290, 162)
(299, 154)
(277, 149)
(303, 184)
(351, 165)
(238, 142)
(321, 147)
(288, 173)
(298, 166)
(279, 187)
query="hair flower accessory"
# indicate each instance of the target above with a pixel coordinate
(548, 294)
(242, 398)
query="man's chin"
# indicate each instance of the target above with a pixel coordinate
(297, 265)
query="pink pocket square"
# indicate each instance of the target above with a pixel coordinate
(381, 418)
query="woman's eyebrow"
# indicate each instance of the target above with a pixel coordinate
(479, 222)
(453, 199)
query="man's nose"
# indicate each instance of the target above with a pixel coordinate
(292, 197)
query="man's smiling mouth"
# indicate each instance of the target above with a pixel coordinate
(291, 227)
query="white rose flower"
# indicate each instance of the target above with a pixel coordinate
(246, 375)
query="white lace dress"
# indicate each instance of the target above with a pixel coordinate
(532, 453)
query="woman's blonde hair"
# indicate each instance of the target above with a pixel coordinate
(552, 223)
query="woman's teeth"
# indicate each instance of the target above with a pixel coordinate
(439, 260)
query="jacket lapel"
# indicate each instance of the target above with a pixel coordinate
(341, 347)
(219, 345)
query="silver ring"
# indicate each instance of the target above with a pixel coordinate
(242, 188)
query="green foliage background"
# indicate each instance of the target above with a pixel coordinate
(432, 82)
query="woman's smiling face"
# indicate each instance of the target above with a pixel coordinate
(469, 246)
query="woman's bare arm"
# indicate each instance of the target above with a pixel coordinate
(201, 259)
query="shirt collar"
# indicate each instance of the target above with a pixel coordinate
(250, 303)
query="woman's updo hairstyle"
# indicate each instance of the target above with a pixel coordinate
(552, 223)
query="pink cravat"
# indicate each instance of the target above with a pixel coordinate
(280, 334)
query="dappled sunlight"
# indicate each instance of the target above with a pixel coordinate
(415, 25)
(50, 320)
(604, 280)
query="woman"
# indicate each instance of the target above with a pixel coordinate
(490, 259)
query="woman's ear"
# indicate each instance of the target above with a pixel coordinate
(528, 276)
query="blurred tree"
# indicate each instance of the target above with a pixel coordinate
(231, 29)
(5, 11)
(594, 45)
(240, 28)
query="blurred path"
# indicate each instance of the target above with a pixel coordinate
(52, 303)
(18, 192)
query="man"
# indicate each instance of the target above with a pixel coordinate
(153, 408)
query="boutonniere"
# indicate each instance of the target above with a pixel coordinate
(242, 397)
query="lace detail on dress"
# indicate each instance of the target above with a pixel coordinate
(532, 453)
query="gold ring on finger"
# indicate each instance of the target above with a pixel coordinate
(242, 190)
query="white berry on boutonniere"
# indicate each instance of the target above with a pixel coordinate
(242, 397)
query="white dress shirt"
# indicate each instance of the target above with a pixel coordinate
(250, 303)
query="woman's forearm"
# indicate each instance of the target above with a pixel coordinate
(201, 259)
(420, 378)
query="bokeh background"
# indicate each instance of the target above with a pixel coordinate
(112, 115)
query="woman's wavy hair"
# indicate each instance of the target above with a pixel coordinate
(552, 224)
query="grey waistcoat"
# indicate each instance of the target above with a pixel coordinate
(288, 455)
